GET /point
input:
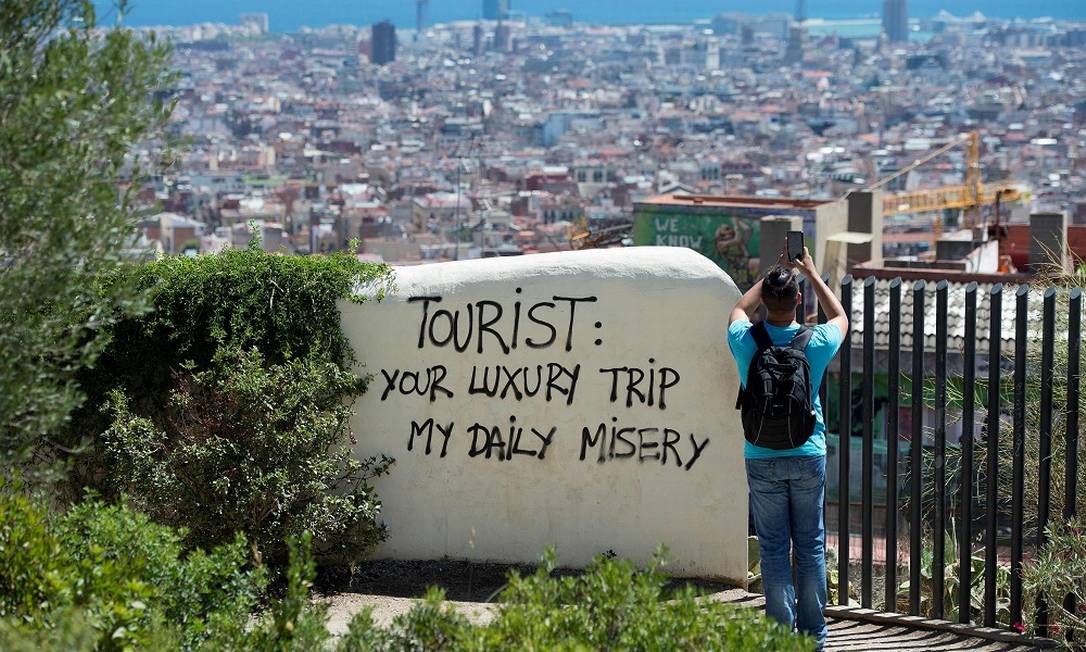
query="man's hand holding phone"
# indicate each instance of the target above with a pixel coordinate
(805, 264)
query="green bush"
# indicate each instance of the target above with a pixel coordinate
(612, 606)
(248, 447)
(283, 306)
(71, 632)
(107, 574)
(291, 622)
(105, 578)
(226, 407)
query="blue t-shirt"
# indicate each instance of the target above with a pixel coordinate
(825, 341)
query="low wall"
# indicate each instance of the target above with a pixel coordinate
(580, 399)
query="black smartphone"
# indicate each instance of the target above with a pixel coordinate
(794, 245)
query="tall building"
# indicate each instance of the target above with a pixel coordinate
(477, 39)
(495, 9)
(895, 20)
(383, 43)
(801, 10)
(420, 17)
(503, 37)
(793, 53)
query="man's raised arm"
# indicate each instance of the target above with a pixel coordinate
(835, 312)
(746, 304)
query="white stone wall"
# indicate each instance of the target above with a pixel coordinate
(611, 425)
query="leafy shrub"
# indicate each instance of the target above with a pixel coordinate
(290, 623)
(432, 624)
(283, 306)
(107, 574)
(32, 573)
(1058, 571)
(612, 606)
(227, 406)
(261, 449)
(71, 632)
(104, 577)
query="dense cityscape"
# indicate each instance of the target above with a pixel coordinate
(512, 134)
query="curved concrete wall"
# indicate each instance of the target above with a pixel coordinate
(579, 399)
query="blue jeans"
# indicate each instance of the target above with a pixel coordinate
(786, 501)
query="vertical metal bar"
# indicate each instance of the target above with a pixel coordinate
(844, 446)
(965, 542)
(893, 374)
(991, 502)
(1071, 479)
(939, 482)
(1044, 432)
(1018, 451)
(916, 448)
(868, 454)
(1074, 353)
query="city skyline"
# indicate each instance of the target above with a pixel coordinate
(486, 138)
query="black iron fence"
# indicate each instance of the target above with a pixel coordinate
(916, 484)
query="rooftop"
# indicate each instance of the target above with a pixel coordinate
(732, 201)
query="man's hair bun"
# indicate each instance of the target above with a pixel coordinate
(780, 282)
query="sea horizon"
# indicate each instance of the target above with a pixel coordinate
(291, 15)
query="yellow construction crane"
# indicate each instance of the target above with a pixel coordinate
(969, 197)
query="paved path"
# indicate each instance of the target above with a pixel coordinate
(850, 635)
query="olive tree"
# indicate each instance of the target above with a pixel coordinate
(74, 99)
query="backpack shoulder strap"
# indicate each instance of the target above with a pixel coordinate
(802, 338)
(761, 336)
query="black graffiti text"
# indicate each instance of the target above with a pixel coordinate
(615, 442)
(649, 386)
(505, 442)
(426, 429)
(551, 380)
(422, 383)
(487, 323)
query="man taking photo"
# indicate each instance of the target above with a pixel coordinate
(781, 366)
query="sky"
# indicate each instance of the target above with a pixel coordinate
(289, 15)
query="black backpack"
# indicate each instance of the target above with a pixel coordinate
(776, 403)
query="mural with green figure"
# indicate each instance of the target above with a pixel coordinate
(730, 241)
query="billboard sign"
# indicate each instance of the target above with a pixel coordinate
(729, 240)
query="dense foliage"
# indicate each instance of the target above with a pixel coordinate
(104, 575)
(73, 102)
(251, 448)
(612, 606)
(227, 406)
(285, 307)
